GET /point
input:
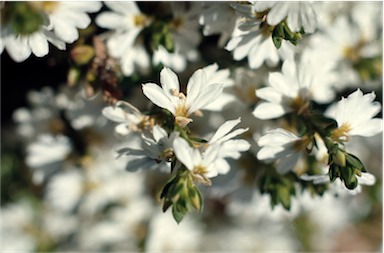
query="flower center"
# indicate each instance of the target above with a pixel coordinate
(341, 133)
(49, 6)
(167, 155)
(299, 104)
(352, 53)
(301, 144)
(141, 20)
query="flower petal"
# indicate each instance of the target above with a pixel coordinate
(156, 94)
(268, 110)
(183, 152)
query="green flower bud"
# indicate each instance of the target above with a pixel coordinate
(83, 54)
(339, 158)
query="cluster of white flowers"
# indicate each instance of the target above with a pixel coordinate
(263, 117)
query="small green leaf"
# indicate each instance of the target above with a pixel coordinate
(178, 214)
(354, 161)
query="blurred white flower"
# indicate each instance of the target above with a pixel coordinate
(165, 235)
(64, 190)
(288, 91)
(168, 96)
(66, 17)
(160, 147)
(283, 146)
(184, 31)
(298, 14)
(218, 18)
(16, 218)
(58, 148)
(20, 47)
(341, 46)
(355, 116)
(127, 21)
(61, 21)
(255, 43)
(229, 148)
(129, 117)
(201, 165)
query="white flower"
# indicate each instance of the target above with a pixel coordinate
(354, 116)
(201, 165)
(165, 235)
(61, 20)
(281, 145)
(184, 31)
(150, 152)
(66, 17)
(129, 117)
(218, 18)
(342, 46)
(126, 21)
(58, 148)
(299, 14)
(288, 91)
(214, 75)
(229, 148)
(15, 217)
(64, 190)
(20, 47)
(175, 60)
(257, 45)
(199, 94)
(161, 147)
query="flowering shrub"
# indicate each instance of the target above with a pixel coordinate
(244, 119)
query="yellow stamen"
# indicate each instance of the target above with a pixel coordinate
(299, 104)
(341, 133)
(141, 20)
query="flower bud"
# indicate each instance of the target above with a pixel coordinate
(82, 54)
(339, 158)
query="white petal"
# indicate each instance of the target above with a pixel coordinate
(156, 94)
(109, 20)
(127, 8)
(39, 44)
(84, 6)
(280, 83)
(224, 129)
(367, 179)
(114, 113)
(269, 94)
(222, 166)
(183, 152)
(18, 48)
(210, 155)
(287, 163)
(268, 110)
(277, 137)
(159, 133)
(277, 13)
(267, 153)
(56, 41)
(64, 30)
(170, 84)
(369, 128)
(207, 96)
(194, 85)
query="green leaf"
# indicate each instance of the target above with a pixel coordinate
(284, 196)
(178, 214)
(354, 161)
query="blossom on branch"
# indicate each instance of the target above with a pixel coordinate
(168, 96)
